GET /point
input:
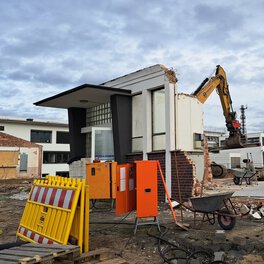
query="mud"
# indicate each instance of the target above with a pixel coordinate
(243, 245)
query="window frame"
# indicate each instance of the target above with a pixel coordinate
(49, 141)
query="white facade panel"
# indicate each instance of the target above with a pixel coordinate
(189, 120)
(254, 153)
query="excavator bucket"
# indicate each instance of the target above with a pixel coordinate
(234, 142)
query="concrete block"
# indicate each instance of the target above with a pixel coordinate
(219, 256)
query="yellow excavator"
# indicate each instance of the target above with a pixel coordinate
(219, 82)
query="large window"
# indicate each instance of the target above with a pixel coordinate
(63, 137)
(55, 157)
(40, 136)
(137, 123)
(158, 119)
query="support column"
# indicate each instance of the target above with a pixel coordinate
(121, 107)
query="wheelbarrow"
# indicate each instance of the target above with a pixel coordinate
(215, 206)
(246, 174)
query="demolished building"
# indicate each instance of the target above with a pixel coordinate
(138, 116)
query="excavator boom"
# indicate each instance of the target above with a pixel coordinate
(219, 82)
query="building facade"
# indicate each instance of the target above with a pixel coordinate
(52, 136)
(147, 119)
(233, 158)
(19, 158)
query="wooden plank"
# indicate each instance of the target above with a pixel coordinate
(33, 253)
(7, 261)
(50, 246)
(9, 257)
(23, 253)
(40, 249)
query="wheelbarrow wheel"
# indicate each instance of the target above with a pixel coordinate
(226, 219)
(236, 180)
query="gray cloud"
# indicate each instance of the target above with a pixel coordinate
(50, 46)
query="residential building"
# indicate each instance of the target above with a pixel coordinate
(19, 158)
(233, 158)
(146, 117)
(52, 136)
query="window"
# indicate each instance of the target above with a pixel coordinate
(40, 136)
(99, 115)
(137, 123)
(235, 162)
(197, 140)
(62, 137)
(158, 119)
(62, 174)
(253, 140)
(2, 128)
(55, 157)
(104, 148)
(23, 162)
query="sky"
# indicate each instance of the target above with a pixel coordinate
(47, 47)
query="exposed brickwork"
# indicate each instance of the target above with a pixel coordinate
(133, 157)
(183, 168)
(160, 156)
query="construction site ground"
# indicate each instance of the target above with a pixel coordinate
(243, 244)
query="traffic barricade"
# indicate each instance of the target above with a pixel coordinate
(56, 212)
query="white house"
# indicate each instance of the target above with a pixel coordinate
(53, 136)
(233, 158)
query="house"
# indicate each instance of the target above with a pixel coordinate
(52, 136)
(19, 158)
(140, 116)
(233, 158)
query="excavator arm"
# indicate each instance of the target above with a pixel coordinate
(219, 82)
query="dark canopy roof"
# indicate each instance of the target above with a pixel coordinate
(83, 96)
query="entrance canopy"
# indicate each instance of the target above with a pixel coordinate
(84, 96)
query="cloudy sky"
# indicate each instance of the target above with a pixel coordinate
(47, 47)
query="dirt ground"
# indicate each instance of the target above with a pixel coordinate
(244, 244)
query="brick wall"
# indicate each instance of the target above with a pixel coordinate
(185, 170)
(160, 156)
(182, 176)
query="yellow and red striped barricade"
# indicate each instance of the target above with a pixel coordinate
(54, 204)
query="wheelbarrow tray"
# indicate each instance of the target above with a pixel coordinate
(209, 203)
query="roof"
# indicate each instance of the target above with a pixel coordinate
(33, 122)
(83, 96)
(7, 140)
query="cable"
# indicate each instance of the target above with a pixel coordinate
(112, 223)
(93, 202)
(176, 251)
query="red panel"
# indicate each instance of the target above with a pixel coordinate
(147, 188)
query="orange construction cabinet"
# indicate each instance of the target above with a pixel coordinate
(125, 188)
(146, 188)
(101, 177)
